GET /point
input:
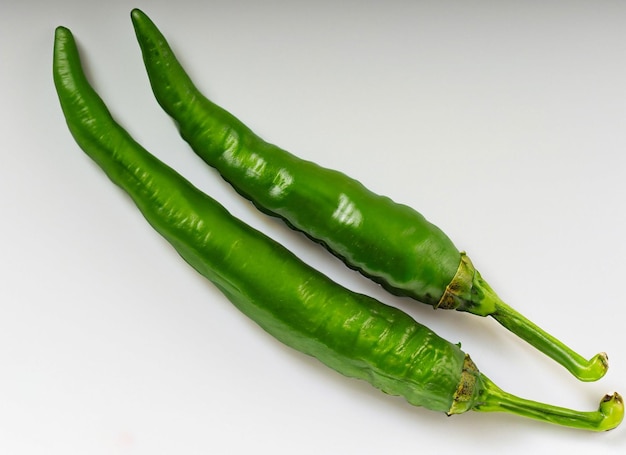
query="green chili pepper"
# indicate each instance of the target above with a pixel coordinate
(351, 333)
(390, 243)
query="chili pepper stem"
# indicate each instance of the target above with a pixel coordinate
(488, 303)
(583, 369)
(609, 415)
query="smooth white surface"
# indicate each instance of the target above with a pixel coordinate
(502, 122)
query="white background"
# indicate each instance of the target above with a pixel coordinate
(502, 122)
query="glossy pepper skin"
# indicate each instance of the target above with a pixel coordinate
(389, 242)
(352, 333)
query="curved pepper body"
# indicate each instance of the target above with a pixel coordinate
(352, 333)
(391, 243)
